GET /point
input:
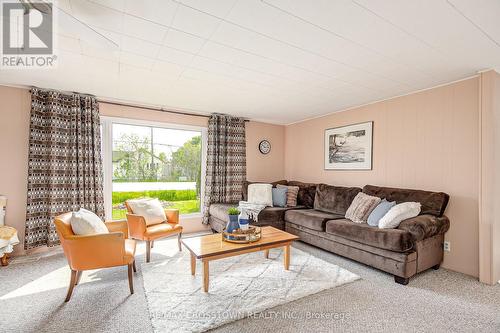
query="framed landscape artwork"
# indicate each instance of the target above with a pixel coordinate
(349, 147)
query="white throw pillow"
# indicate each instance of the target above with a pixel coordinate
(399, 213)
(151, 209)
(85, 222)
(260, 194)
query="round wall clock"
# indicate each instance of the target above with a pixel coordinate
(264, 147)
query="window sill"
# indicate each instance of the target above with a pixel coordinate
(191, 215)
(181, 216)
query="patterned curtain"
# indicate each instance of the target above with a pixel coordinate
(226, 161)
(65, 167)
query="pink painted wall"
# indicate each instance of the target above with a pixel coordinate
(14, 140)
(428, 140)
(269, 167)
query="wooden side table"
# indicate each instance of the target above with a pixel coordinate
(8, 238)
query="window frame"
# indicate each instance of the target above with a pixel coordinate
(107, 155)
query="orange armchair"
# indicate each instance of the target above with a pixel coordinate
(140, 231)
(95, 251)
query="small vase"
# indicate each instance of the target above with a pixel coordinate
(233, 224)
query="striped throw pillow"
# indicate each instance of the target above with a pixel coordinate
(361, 207)
(291, 195)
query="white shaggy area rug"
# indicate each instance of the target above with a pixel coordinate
(240, 286)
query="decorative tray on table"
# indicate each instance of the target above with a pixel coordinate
(251, 235)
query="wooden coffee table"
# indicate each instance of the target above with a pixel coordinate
(212, 247)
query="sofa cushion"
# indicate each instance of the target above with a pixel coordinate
(307, 192)
(244, 190)
(433, 203)
(334, 199)
(388, 239)
(272, 214)
(327, 241)
(310, 218)
(267, 215)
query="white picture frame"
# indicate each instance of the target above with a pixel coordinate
(349, 147)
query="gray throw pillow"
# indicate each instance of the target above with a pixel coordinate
(280, 196)
(383, 207)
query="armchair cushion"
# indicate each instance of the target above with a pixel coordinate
(150, 209)
(162, 230)
(85, 222)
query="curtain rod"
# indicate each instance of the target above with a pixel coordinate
(157, 109)
(154, 109)
(160, 109)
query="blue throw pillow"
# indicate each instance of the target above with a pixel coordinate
(382, 208)
(279, 196)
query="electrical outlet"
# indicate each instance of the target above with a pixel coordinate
(447, 246)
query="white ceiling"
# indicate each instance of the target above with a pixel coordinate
(279, 61)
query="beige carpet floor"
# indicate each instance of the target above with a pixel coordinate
(31, 300)
(239, 286)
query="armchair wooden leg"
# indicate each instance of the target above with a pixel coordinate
(130, 278)
(72, 284)
(78, 277)
(179, 237)
(133, 266)
(152, 243)
(148, 251)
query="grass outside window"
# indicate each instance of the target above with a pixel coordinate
(186, 201)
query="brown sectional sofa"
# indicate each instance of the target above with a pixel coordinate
(416, 245)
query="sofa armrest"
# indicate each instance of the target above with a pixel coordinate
(425, 226)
